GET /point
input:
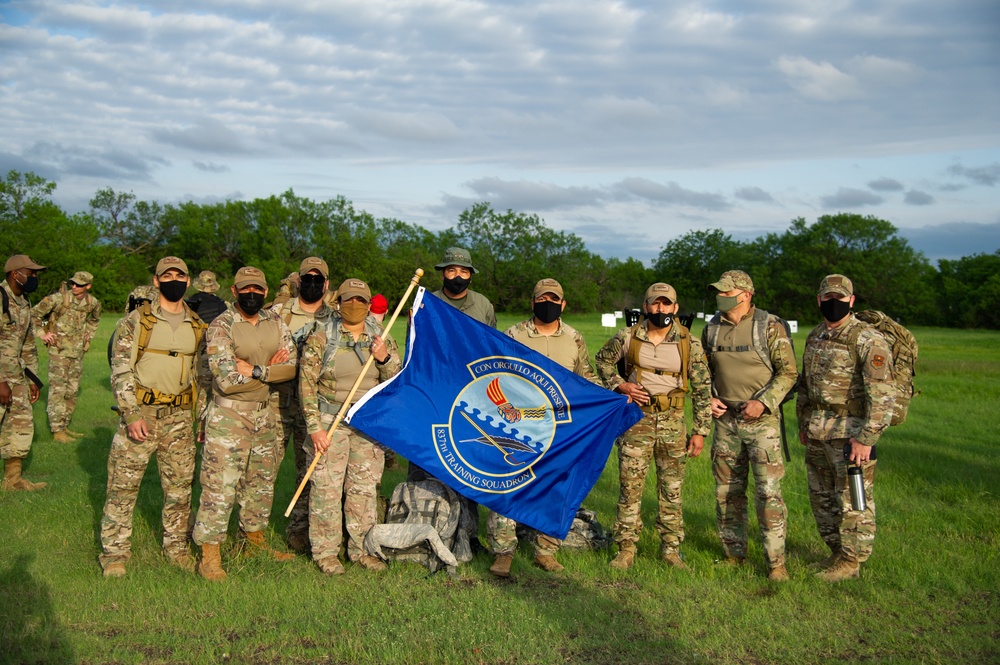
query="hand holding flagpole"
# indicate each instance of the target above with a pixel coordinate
(345, 407)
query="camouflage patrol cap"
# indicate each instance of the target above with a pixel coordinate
(249, 276)
(352, 288)
(206, 282)
(836, 284)
(734, 279)
(170, 263)
(548, 285)
(82, 278)
(456, 256)
(314, 263)
(19, 261)
(660, 290)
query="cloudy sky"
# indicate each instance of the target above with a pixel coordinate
(628, 123)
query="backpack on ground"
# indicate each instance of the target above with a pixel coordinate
(586, 534)
(421, 527)
(904, 349)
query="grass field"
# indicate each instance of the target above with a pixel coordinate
(928, 595)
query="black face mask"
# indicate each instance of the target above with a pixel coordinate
(834, 310)
(311, 288)
(250, 302)
(456, 285)
(30, 284)
(547, 311)
(173, 290)
(659, 319)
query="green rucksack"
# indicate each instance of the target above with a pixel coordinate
(903, 345)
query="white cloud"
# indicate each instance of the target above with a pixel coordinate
(818, 80)
(847, 197)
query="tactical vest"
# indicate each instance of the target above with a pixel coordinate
(758, 337)
(332, 327)
(147, 396)
(675, 398)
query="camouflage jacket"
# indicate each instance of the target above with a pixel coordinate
(699, 377)
(785, 371)
(17, 340)
(565, 346)
(74, 323)
(125, 352)
(222, 355)
(318, 373)
(474, 304)
(843, 394)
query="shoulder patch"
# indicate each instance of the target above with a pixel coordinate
(212, 350)
(878, 361)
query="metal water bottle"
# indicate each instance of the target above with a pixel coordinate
(856, 481)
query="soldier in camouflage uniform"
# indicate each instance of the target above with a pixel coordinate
(663, 365)
(845, 402)
(249, 351)
(456, 274)
(302, 314)
(17, 354)
(155, 374)
(66, 322)
(350, 465)
(546, 333)
(753, 369)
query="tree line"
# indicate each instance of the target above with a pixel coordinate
(120, 238)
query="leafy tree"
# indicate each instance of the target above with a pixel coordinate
(695, 260)
(968, 291)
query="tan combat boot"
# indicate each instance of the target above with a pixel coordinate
(501, 565)
(827, 562)
(75, 435)
(62, 436)
(372, 563)
(210, 566)
(624, 560)
(548, 563)
(181, 559)
(778, 573)
(116, 569)
(259, 542)
(298, 542)
(734, 561)
(330, 565)
(12, 480)
(673, 559)
(842, 569)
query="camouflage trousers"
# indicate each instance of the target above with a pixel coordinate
(502, 535)
(662, 437)
(239, 464)
(64, 385)
(292, 424)
(172, 439)
(841, 528)
(739, 447)
(18, 426)
(343, 493)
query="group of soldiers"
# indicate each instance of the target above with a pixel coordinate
(257, 377)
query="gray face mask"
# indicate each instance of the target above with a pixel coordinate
(726, 303)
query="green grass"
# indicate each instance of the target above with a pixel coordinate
(928, 595)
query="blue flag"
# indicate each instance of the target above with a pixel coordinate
(494, 420)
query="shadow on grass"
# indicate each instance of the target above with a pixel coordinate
(31, 632)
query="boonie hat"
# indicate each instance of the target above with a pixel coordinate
(661, 290)
(836, 284)
(548, 285)
(352, 288)
(314, 263)
(456, 256)
(206, 282)
(734, 279)
(379, 304)
(168, 263)
(82, 278)
(19, 261)
(249, 276)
